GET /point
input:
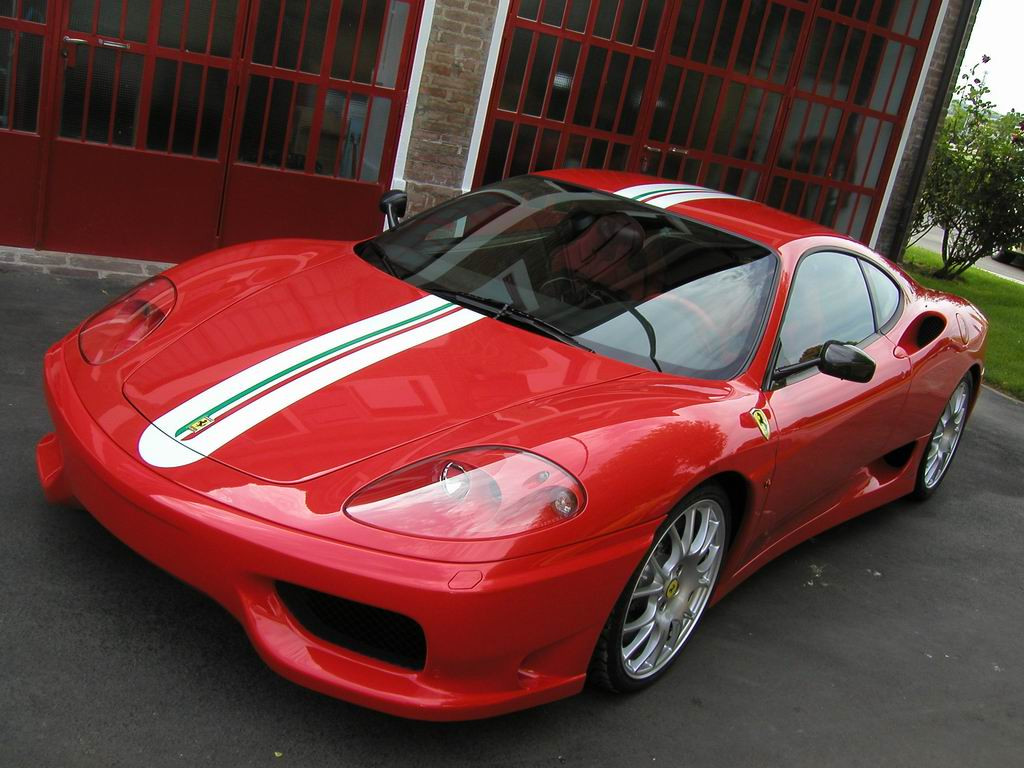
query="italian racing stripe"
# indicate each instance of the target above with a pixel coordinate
(214, 417)
(666, 195)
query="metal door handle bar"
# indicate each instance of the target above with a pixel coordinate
(649, 148)
(112, 44)
(75, 40)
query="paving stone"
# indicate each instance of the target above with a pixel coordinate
(43, 257)
(121, 279)
(108, 264)
(73, 272)
(79, 265)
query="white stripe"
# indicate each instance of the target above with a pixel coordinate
(641, 189)
(158, 448)
(667, 201)
(191, 409)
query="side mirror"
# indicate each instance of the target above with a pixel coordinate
(843, 361)
(393, 204)
(847, 362)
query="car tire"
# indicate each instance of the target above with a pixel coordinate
(666, 596)
(1005, 257)
(944, 440)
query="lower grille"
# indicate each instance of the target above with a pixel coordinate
(365, 629)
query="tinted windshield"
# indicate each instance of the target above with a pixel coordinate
(626, 280)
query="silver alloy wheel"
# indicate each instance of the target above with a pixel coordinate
(946, 436)
(673, 589)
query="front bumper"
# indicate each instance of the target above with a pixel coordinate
(500, 636)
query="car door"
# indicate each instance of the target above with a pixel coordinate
(829, 429)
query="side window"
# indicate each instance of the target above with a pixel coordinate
(828, 301)
(884, 292)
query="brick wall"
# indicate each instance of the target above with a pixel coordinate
(450, 90)
(915, 152)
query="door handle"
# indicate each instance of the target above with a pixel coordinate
(75, 40)
(113, 44)
(678, 151)
(647, 159)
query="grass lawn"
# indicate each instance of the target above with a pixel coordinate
(1001, 300)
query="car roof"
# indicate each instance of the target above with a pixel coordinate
(755, 221)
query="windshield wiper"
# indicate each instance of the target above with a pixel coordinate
(509, 311)
(382, 257)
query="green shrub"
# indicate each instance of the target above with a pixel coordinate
(974, 188)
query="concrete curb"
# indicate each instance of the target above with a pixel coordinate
(77, 265)
(1004, 277)
(995, 391)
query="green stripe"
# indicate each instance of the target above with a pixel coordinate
(313, 359)
(665, 191)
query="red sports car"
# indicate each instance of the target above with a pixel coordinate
(520, 440)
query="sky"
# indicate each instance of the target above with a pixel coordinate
(997, 33)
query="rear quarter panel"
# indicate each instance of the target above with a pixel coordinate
(937, 364)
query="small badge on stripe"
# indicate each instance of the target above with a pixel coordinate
(203, 421)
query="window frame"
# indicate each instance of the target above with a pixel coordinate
(770, 384)
(901, 302)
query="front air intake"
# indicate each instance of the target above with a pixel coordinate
(365, 629)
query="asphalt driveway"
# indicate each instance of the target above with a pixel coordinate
(896, 639)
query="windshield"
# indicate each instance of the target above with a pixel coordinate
(624, 279)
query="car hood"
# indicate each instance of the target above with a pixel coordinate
(336, 364)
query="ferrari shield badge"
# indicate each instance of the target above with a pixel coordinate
(762, 422)
(198, 424)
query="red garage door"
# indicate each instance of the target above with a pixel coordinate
(163, 128)
(322, 94)
(142, 107)
(23, 29)
(799, 103)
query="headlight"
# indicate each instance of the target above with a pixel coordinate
(127, 321)
(474, 493)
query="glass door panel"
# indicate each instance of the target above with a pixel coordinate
(321, 97)
(722, 90)
(167, 95)
(24, 54)
(573, 86)
(320, 94)
(21, 63)
(101, 96)
(849, 103)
